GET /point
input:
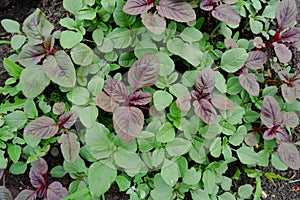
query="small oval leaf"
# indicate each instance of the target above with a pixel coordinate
(105, 102)
(249, 83)
(205, 111)
(289, 154)
(226, 13)
(270, 113)
(70, 147)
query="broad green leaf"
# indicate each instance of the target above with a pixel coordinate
(216, 147)
(191, 176)
(15, 119)
(233, 86)
(107, 46)
(70, 147)
(166, 133)
(123, 183)
(120, 37)
(30, 109)
(121, 18)
(10, 25)
(200, 194)
(167, 65)
(17, 41)
(247, 156)
(82, 55)
(98, 36)
(127, 160)
(95, 85)
(220, 82)
(14, 152)
(73, 6)
(79, 96)
(256, 26)
(226, 183)
(234, 116)
(161, 189)
(162, 99)
(277, 163)
(245, 191)
(68, 39)
(101, 175)
(226, 196)
(58, 171)
(233, 60)
(87, 115)
(178, 147)
(33, 81)
(76, 167)
(18, 168)
(191, 34)
(12, 68)
(209, 180)
(170, 172)
(238, 137)
(127, 59)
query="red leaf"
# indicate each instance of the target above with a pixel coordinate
(31, 55)
(179, 11)
(135, 7)
(290, 119)
(270, 113)
(26, 195)
(286, 13)
(256, 60)
(117, 90)
(288, 93)
(282, 52)
(70, 147)
(249, 83)
(226, 13)
(154, 23)
(221, 102)
(206, 81)
(285, 76)
(144, 72)
(230, 43)
(276, 132)
(105, 102)
(40, 166)
(258, 43)
(183, 102)
(140, 98)
(128, 121)
(291, 35)
(56, 191)
(205, 111)
(208, 5)
(5, 193)
(59, 108)
(36, 179)
(251, 139)
(289, 154)
(42, 127)
(68, 119)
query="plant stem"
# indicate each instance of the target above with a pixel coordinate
(4, 42)
(215, 29)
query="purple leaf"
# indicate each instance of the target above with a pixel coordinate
(282, 52)
(276, 132)
(144, 72)
(179, 11)
(70, 147)
(56, 191)
(183, 102)
(286, 13)
(40, 166)
(117, 90)
(249, 83)
(106, 103)
(5, 193)
(221, 102)
(135, 7)
(26, 195)
(205, 111)
(128, 121)
(230, 43)
(59, 68)
(208, 5)
(256, 60)
(36, 179)
(290, 119)
(251, 139)
(289, 154)
(31, 55)
(288, 94)
(140, 98)
(206, 80)
(59, 108)
(68, 119)
(291, 35)
(259, 43)
(270, 113)
(285, 76)
(154, 23)
(42, 127)
(226, 13)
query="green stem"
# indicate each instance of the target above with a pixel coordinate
(215, 29)
(4, 42)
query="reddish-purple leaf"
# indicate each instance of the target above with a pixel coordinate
(144, 72)
(135, 7)
(183, 102)
(289, 154)
(105, 102)
(179, 11)
(206, 80)
(154, 23)
(296, 86)
(226, 13)
(26, 195)
(221, 102)
(36, 179)
(140, 98)
(276, 132)
(128, 121)
(285, 76)
(40, 166)
(205, 111)
(70, 147)
(286, 13)
(256, 60)
(42, 127)
(31, 55)
(5, 193)
(56, 191)
(290, 119)
(117, 90)
(282, 52)
(270, 113)
(208, 5)
(230, 43)
(291, 35)
(288, 93)
(68, 119)
(258, 43)
(59, 108)
(249, 82)
(251, 139)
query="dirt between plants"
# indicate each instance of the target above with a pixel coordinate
(53, 9)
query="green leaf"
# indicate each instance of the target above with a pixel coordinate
(277, 163)
(33, 81)
(82, 55)
(170, 172)
(14, 152)
(73, 6)
(87, 114)
(79, 96)
(247, 156)
(127, 160)
(95, 85)
(256, 26)
(166, 133)
(233, 86)
(120, 37)
(123, 183)
(58, 172)
(234, 116)
(161, 189)
(200, 194)
(162, 99)
(220, 82)
(238, 137)
(17, 41)
(209, 181)
(127, 59)
(233, 60)
(120, 18)
(76, 167)
(216, 147)
(10, 25)
(68, 39)
(12, 68)
(18, 168)
(226, 196)
(191, 34)
(178, 147)
(226, 183)
(167, 65)
(251, 116)
(191, 176)
(15, 119)
(30, 109)
(101, 175)
(245, 191)
(98, 36)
